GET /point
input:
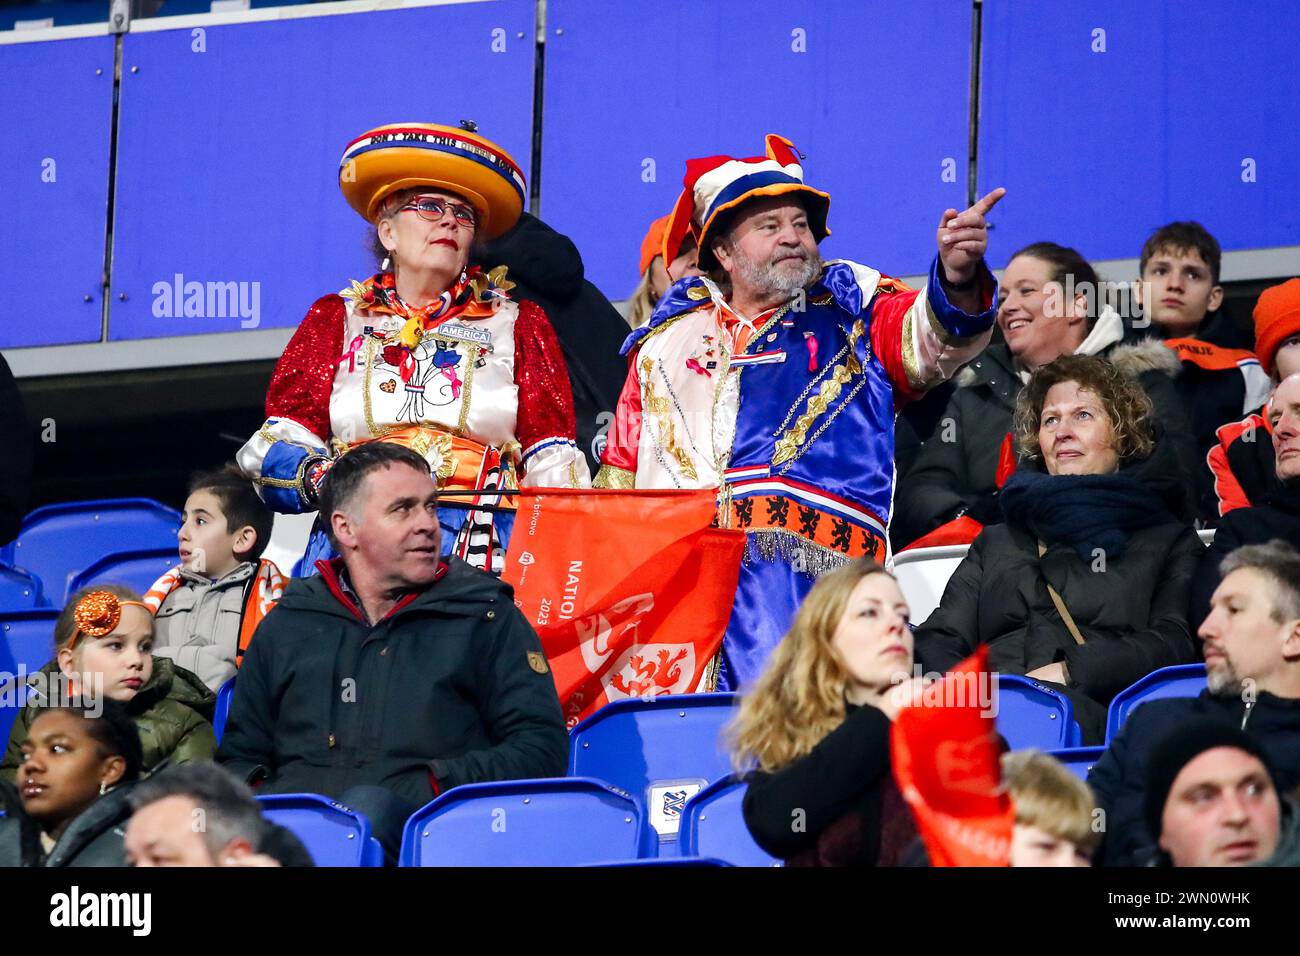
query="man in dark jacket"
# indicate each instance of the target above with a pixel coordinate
(1277, 515)
(1252, 659)
(392, 676)
(547, 269)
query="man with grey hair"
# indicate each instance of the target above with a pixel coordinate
(776, 377)
(1251, 640)
(197, 814)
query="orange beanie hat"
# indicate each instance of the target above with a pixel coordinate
(652, 244)
(1277, 318)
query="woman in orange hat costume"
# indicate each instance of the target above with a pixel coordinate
(430, 353)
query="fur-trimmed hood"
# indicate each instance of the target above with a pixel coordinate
(1134, 359)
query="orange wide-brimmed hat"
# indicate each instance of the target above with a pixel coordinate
(399, 156)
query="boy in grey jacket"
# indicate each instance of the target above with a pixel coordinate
(207, 608)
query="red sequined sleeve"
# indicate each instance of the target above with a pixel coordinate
(304, 377)
(545, 423)
(545, 397)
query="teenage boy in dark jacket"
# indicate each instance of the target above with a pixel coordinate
(1252, 659)
(393, 675)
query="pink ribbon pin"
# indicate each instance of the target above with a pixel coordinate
(351, 354)
(811, 341)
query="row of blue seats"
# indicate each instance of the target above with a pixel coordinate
(564, 821)
(64, 547)
(634, 758)
(648, 779)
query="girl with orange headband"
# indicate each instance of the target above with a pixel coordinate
(103, 648)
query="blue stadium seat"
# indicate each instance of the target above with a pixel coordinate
(560, 821)
(662, 750)
(333, 834)
(1031, 714)
(1079, 760)
(225, 694)
(26, 641)
(19, 590)
(713, 826)
(29, 635)
(58, 542)
(136, 569)
(1181, 680)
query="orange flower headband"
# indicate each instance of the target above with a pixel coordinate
(98, 614)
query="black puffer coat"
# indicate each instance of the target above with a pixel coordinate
(1131, 609)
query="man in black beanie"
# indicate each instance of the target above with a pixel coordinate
(1210, 798)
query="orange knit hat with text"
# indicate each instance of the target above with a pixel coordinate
(1277, 318)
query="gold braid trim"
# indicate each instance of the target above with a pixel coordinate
(611, 477)
(660, 409)
(796, 434)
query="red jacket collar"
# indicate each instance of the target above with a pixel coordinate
(332, 571)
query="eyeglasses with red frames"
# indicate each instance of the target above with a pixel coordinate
(432, 210)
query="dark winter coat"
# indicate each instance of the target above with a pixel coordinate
(956, 468)
(853, 814)
(547, 269)
(1131, 608)
(173, 712)
(450, 688)
(1118, 779)
(1278, 517)
(95, 838)
(1213, 397)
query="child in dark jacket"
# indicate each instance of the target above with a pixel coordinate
(70, 807)
(104, 638)
(206, 609)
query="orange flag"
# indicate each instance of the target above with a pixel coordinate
(945, 753)
(630, 591)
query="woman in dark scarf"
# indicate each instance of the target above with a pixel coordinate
(1096, 513)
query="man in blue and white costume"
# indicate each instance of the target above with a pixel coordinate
(776, 379)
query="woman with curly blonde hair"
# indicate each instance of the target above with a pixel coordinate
(1086, 584)
(817, 722)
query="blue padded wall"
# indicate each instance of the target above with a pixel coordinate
(54, 188)
(228, 158)
(1097, 149)
(877, 101)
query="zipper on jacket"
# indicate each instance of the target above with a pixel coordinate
(1250, 704)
